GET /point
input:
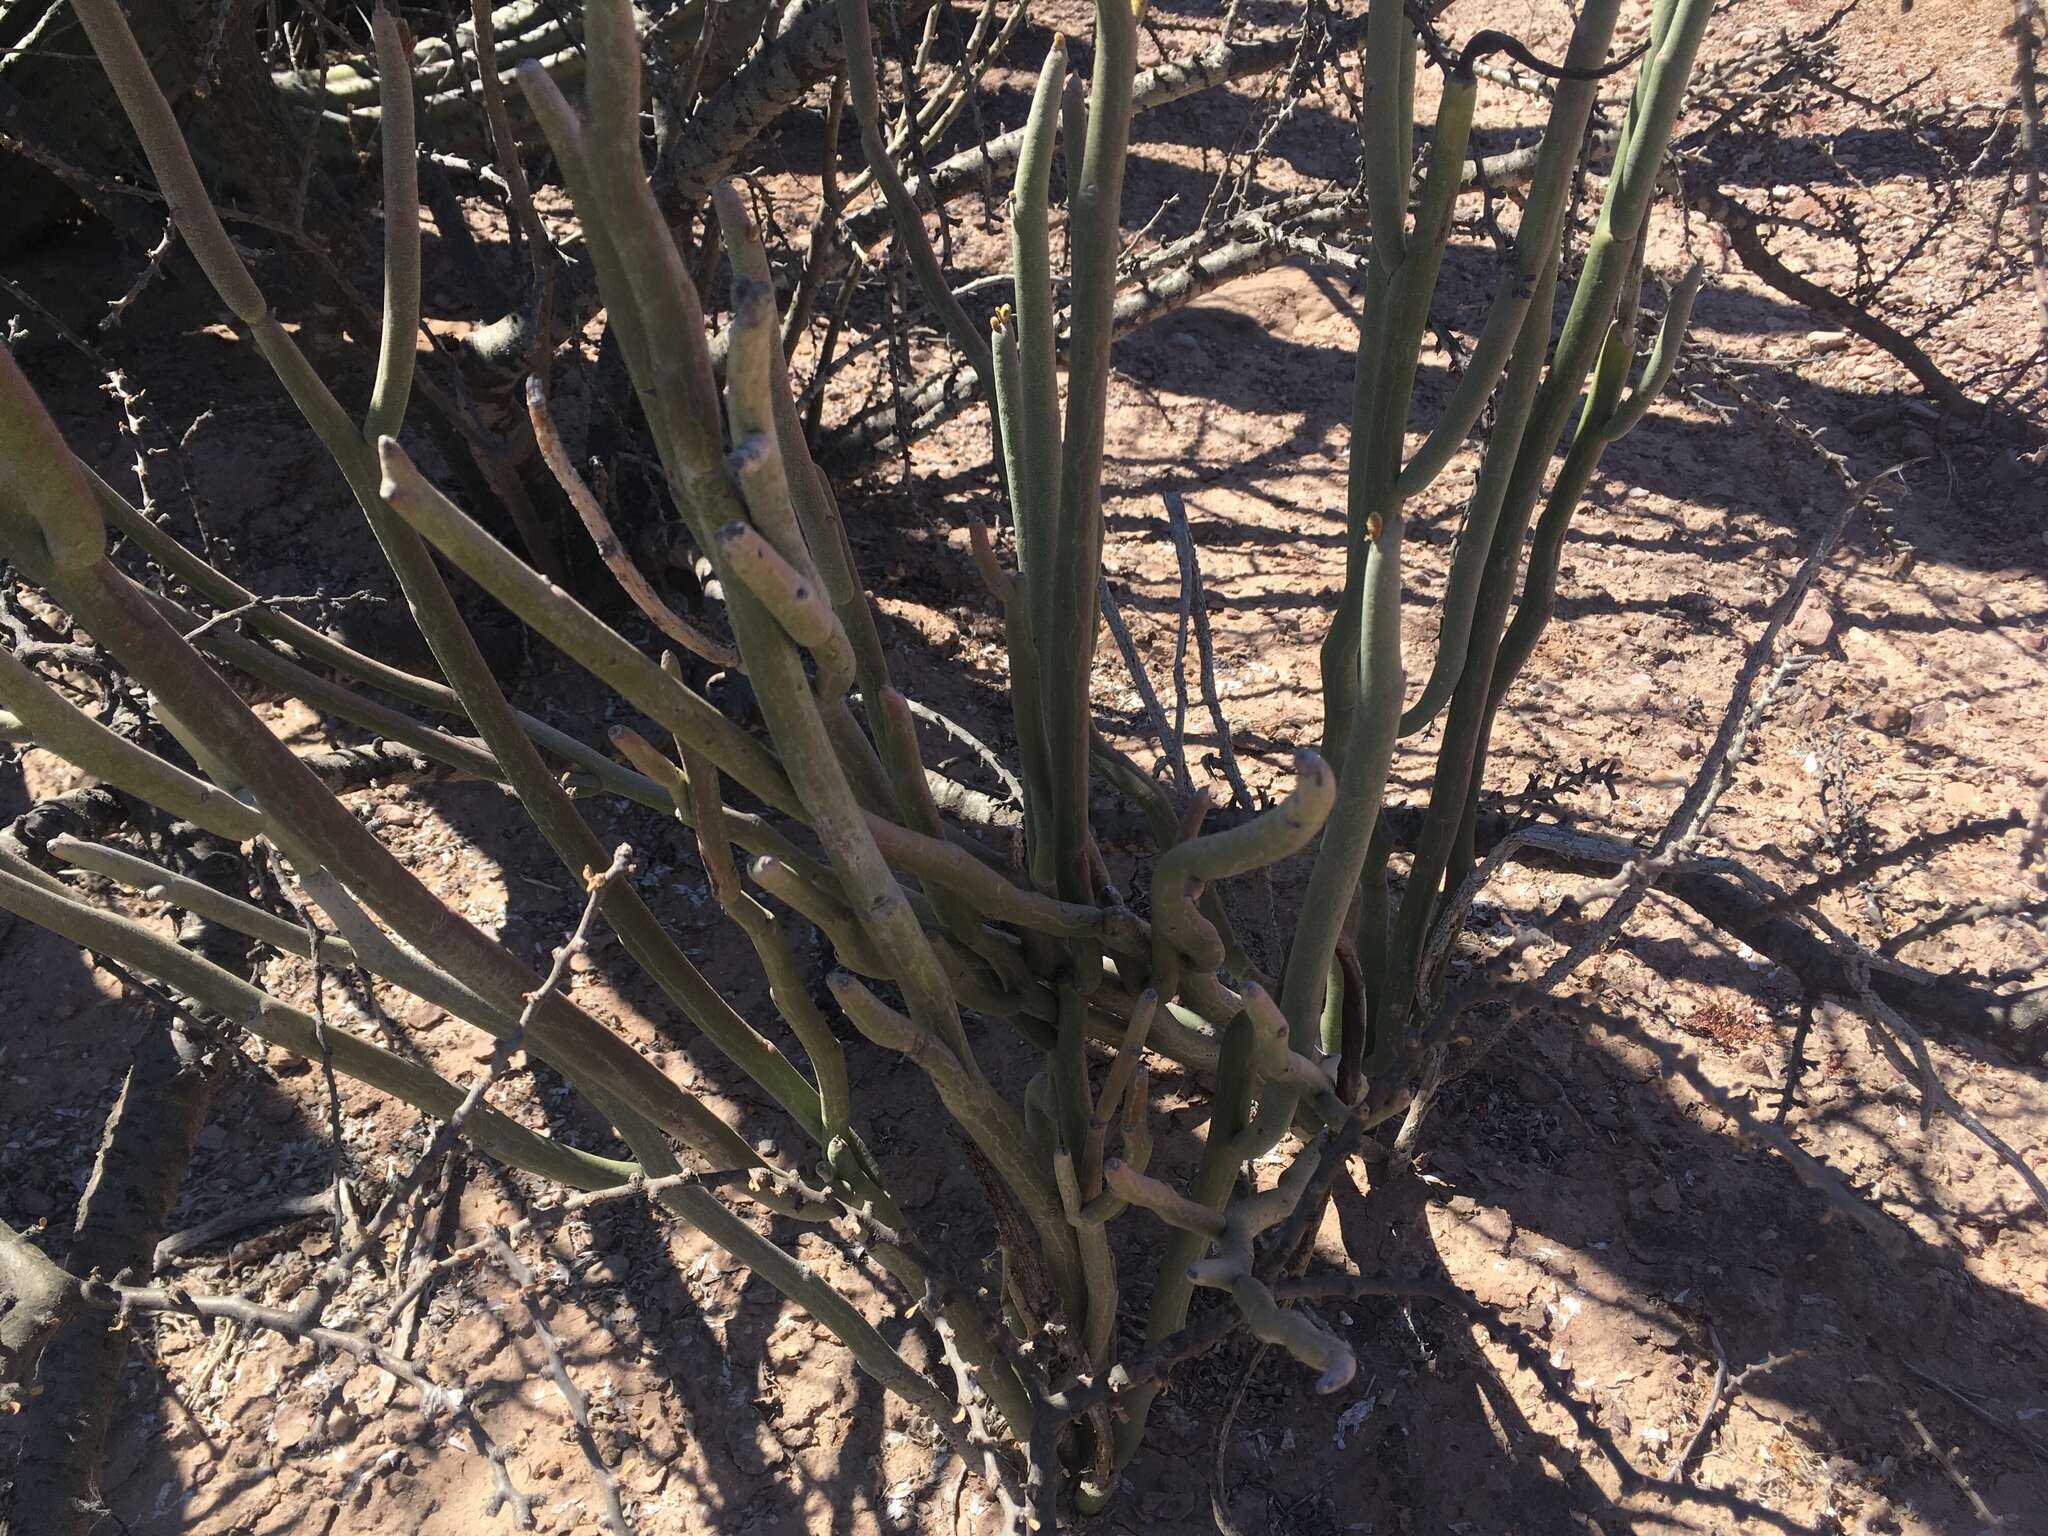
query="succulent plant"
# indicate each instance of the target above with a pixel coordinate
(938, 937)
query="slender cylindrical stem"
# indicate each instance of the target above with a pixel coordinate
(398, 345)
(58, 725)
(924, 261)
(1066, 634)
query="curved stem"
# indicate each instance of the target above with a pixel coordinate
(398, 344)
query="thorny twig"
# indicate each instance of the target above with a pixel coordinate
(1955, 1473)
(435, 1399)
(1688, 822)
(523, 1279)
(243, 610)
(614, 554)
(153, 264)
(339, 1214)
(330, 1279)
(1148, 696)
(1934, 1093)
(1205, 647)
(1726, 1383)
(2026, 17)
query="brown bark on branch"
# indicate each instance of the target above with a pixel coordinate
(2016, 1022)
(1745, 238)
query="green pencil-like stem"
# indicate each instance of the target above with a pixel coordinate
(1035, 496)
(1363, 674)
(1536, 240)
(800, 727)
(1098, 1267)
(924, 261)
(59, 726)
(597, 647)
(222, 992)
(817, 510)
(826, 912)
(160, 884)
(1065, 635)
(1027, 671)
(995, 1127)
(44, 501)
(398, 346)
(754, 833)
(1526, 289)
(1229, 1268)
(1610, 261)
(794, 598)
(1222, 1151)
(1265, 839)
(1607, 420)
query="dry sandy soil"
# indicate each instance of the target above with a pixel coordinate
(1602, 1203)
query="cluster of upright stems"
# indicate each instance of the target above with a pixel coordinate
(938, 938)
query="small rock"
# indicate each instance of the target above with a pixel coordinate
(1665, 1197)
(1811, 707)
(1607, 1120)
(483, 1045)
(294, 1426)
(648, 1476)
(753, 1448)
(211, 1138)
(1928, 716)
(605, 1272)
(1892, 719)
(659, 1438)
(1813, 625)
(1819, 342)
